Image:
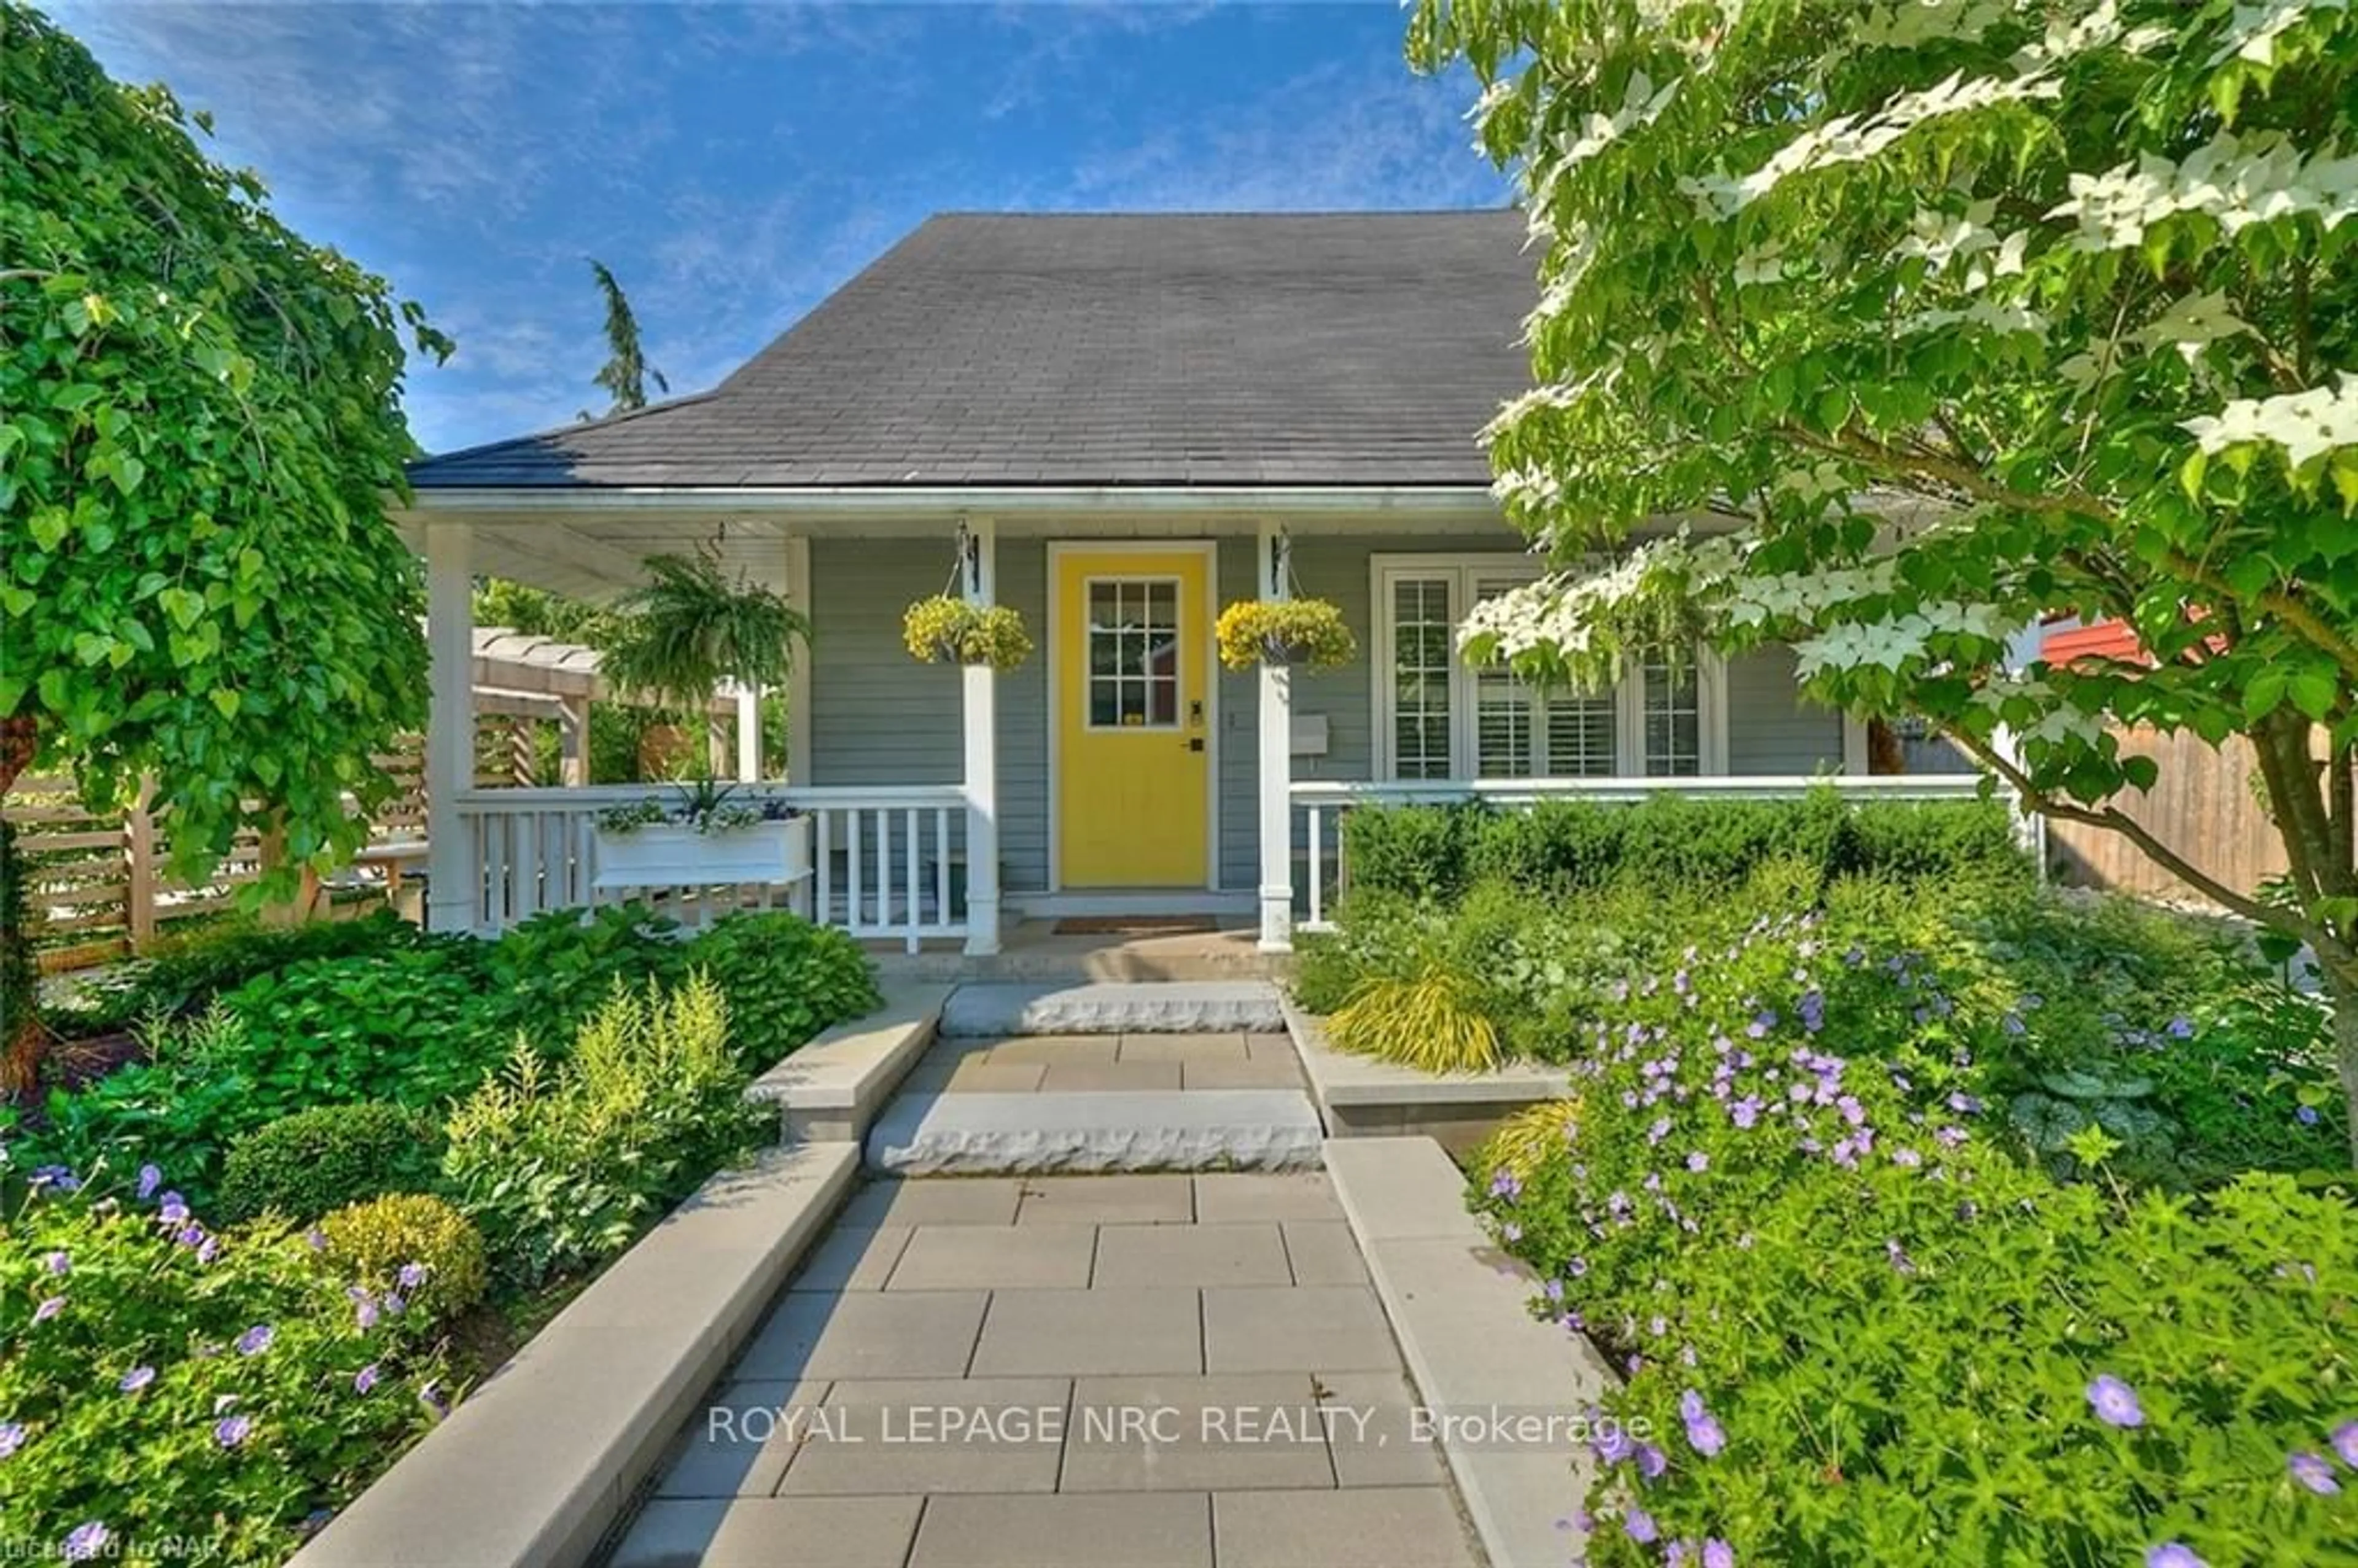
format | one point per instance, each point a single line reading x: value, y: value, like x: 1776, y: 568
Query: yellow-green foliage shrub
x: 412, y: 1254
x: 1434, y: 1022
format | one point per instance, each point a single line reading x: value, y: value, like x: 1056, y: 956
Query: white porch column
x: 1274, y: 580
x: 749, y: 735
x: 798, y: 675
x: 978, y: 579
x: 453, y: 868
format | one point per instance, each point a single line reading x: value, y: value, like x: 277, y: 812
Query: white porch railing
x: 882, y: 858
x: 1320, y: 804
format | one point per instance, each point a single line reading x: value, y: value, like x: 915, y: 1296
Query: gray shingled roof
x: 1003, y: 351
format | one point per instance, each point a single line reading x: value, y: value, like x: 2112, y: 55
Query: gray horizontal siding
x: 879, y: 717
x: 1769, y: 729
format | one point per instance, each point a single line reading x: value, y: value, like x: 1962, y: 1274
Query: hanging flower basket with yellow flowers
x: 1308, y: 633
x: 943, y: 630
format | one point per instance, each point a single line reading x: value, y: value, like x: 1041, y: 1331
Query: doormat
x: 1132, y: 925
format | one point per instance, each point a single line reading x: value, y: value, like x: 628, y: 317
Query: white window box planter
x: 672, y: 854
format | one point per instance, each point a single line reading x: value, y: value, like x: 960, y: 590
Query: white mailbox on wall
x: 1309, y: 735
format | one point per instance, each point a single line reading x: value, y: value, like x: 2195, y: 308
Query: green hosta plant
x: 1310, y: 633
x: 950, y: 631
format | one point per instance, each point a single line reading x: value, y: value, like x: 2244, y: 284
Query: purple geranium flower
x: 1717, y: 1553
x: 365, y: 1378
x: 2181, y: 1027
x: 58, y: 1263
x: 1651, y: 1461
x: 431, y: 1395
x: 1639, y: 1525
x: 137, y: 1379
x: 232, y: 1430
x: 49, y: 1309
x: 88, y: 1539
x: 150, y: 1178
x: 2314, y: 1473
x: 1506, y: 1184
x: 2306, y: 1115
x: 2114, y: 1403
x: 2345, y: 1442
x: 12, y: 1437
x: 1698, y: 1161
x: 412, y: 1275
x: 171, y: 1209
x: 256, y: 1340
x: 2173, y: 1554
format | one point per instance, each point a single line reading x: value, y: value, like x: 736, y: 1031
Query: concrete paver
x: 927, y: 1437
x: 1258, y: 1196
x: 1107, y: 1529
x: 1265, y: 1329
x: 1323, y: 1253
x: 887, y: 1334
x: 740, y: 1441
x: 852, y: 1258
x: 1108, y: 1200
x: 1251, y: 1074
x: 1184, y: 1048
x: 972, y: 1257
x: 1415, y: 1526
x: 1191, y: 1256
x: 1183, y: 1433
x: 1081, y: 1333
x: 974, y: 1200
x: 771, y: 1533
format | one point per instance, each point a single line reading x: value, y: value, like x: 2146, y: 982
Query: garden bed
x: 1930, y: 1214
x: 351, y: 1170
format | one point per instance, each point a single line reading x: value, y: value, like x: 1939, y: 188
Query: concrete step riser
x: 1090, y: 1132
x: 1202, y: 1007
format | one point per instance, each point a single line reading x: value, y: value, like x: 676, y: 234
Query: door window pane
x: 1133, y: 652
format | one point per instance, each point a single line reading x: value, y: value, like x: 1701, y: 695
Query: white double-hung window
x: 1437, y: 717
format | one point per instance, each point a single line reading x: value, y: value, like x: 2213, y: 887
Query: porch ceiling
x: 594, y: 547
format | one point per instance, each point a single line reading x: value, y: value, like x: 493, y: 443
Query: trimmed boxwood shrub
x: 1672, y: 842
x: 305, y: 1164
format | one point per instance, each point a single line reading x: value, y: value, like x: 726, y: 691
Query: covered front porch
x: 940, y: 801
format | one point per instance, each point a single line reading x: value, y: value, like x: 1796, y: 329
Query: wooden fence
x: 2203, y: 806
x: 98, y: 887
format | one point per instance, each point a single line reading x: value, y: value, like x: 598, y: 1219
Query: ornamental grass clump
x: 1433, y: 1022
x: 1863, y: 1327
x: 160, y: 1380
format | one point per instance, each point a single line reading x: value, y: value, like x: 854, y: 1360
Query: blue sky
x: 734, y: 163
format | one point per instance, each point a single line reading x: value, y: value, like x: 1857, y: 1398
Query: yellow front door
x: 1133, y: 717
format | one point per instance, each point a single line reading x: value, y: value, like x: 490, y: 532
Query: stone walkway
x: 1124, y: 1371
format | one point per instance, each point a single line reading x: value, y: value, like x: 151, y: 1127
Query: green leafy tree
x: 199, y: 422
x: 1928, y: 319
x: 626, y: 372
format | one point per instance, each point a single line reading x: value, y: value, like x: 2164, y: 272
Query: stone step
x: 1085, y: 1131
x: 1145, y: 1006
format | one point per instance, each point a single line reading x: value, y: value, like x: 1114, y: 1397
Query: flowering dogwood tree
x: 1888, y: 327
